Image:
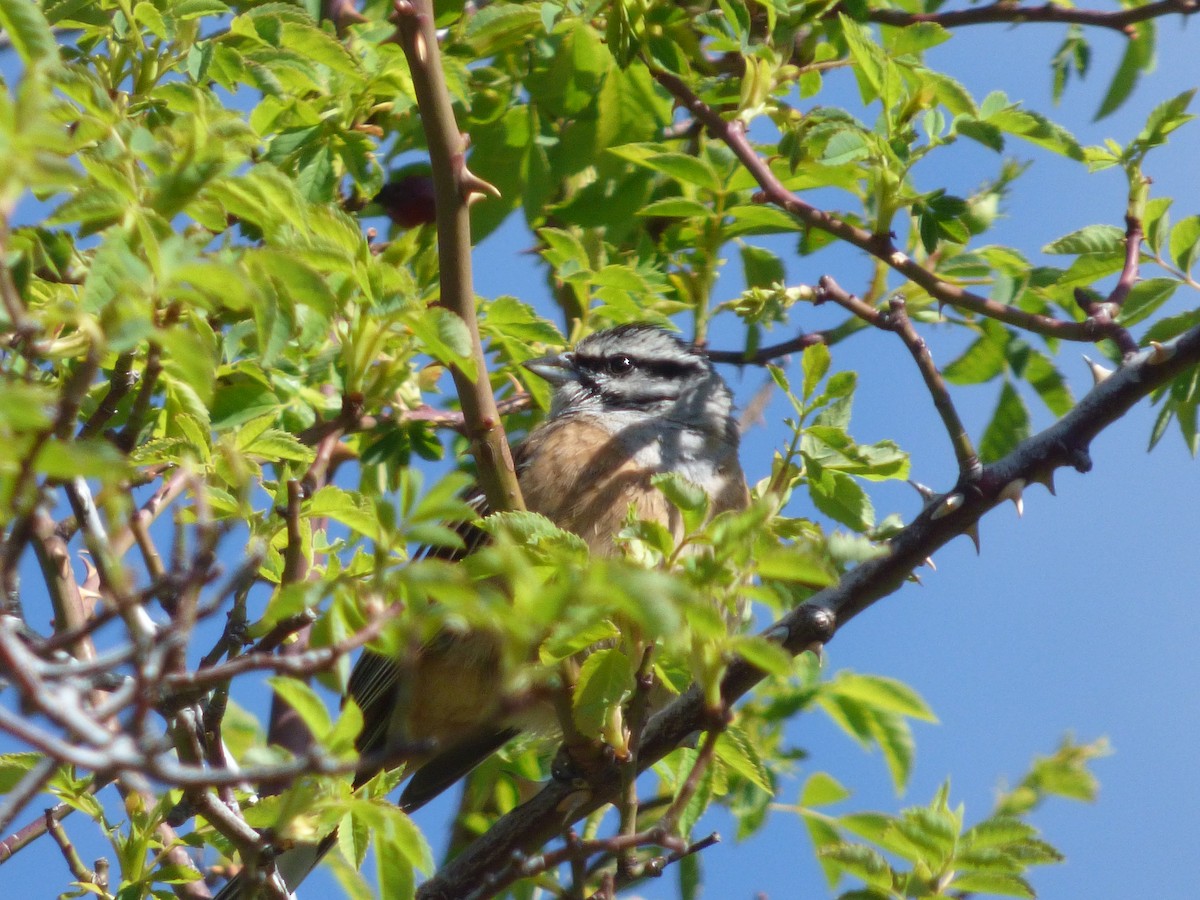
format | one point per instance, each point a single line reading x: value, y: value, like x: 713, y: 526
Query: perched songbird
x: 629, y: 403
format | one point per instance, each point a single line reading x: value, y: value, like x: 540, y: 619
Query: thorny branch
x: 455, y: 186
x: 814, y: 623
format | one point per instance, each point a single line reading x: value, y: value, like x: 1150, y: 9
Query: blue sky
x: 1080, y: 617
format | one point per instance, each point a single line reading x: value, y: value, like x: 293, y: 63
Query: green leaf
x: 445, y: 337
x: 764, y: 654
x: 980, y: 362
x: 1138, y: 57
x: 882, y: 693
x: 1008, y: 427
x: 869, y: 62
x: 565, y: 646
x: 1184, y: 245
x: 14, y: 767
x: 27, y: 28
x: 86, y: 459
x: 351, y: 509
x: 304, y: 700
x: 844, y: 147
x: 1145, y: 298
x: 679, y: 166
x: 605, y: 680
x: 686, y: 496
x: 840, y: 497
x: 914, y: 38
x: 676, y: 208
x: 1092, y: 239
x: 815, y: 363
x: 762, y: 268
x: 1049, y: 383
x: 822, y: 789
x: 796, y: 563
x: 497, y: 26
x: 735, y: 750
x: 1005, y: 885
x: 1165, y: 118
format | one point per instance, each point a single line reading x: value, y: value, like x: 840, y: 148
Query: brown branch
x: 897, y: 320
x: 126, y: 440
x: 764, y: 355
x: 881, y: 246
x: 120, y: 382
x: 522, y: 866
x: 1005, y: 11
x: 815, y: 622
x: 454, y: 187
x: 25, y: 836
x: 1133, y: 252
x: 655, y: 867
x: 691, y: 784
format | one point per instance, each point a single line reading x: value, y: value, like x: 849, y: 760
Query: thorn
x: 475, y: 188
x: 1159, y: 353
x: 926, y: 492
x: 913, y: 576
x: 1046, y: 480
x: 1099, y: 373
x: 419, y: 48
x: 1012, y: 491
x: 929, y: 562
x: 973, y: 534
x: 948, y: 505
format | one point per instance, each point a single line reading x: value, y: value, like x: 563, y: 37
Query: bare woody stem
x: 453, y: 186
x: 897, y: 320
x: 1002, y: 11
x: 881, y: 246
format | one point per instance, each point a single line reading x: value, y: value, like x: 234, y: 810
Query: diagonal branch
x: 881, y: 246
x: 814, y: 623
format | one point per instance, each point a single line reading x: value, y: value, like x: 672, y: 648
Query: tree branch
x: 454, y: 187
x: 897, y: 321
x: 1004, y: 11
x: 815, y: 622
x: 881, y: 246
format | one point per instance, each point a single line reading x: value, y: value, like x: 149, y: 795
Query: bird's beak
x: 557, y: 369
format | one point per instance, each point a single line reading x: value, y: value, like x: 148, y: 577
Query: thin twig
x: 1121, y: 20
x: 897, y: 320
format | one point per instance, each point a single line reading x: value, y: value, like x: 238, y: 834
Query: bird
x: 628, y: 403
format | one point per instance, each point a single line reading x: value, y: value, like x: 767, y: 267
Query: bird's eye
x: 619, y: 365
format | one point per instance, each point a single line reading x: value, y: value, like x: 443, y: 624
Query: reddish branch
x: 881, y: 246
x: 1003, y: 11
x: 897, y: 320
x: 764, y: 355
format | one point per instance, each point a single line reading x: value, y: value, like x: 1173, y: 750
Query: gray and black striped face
x: 639, y: 369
